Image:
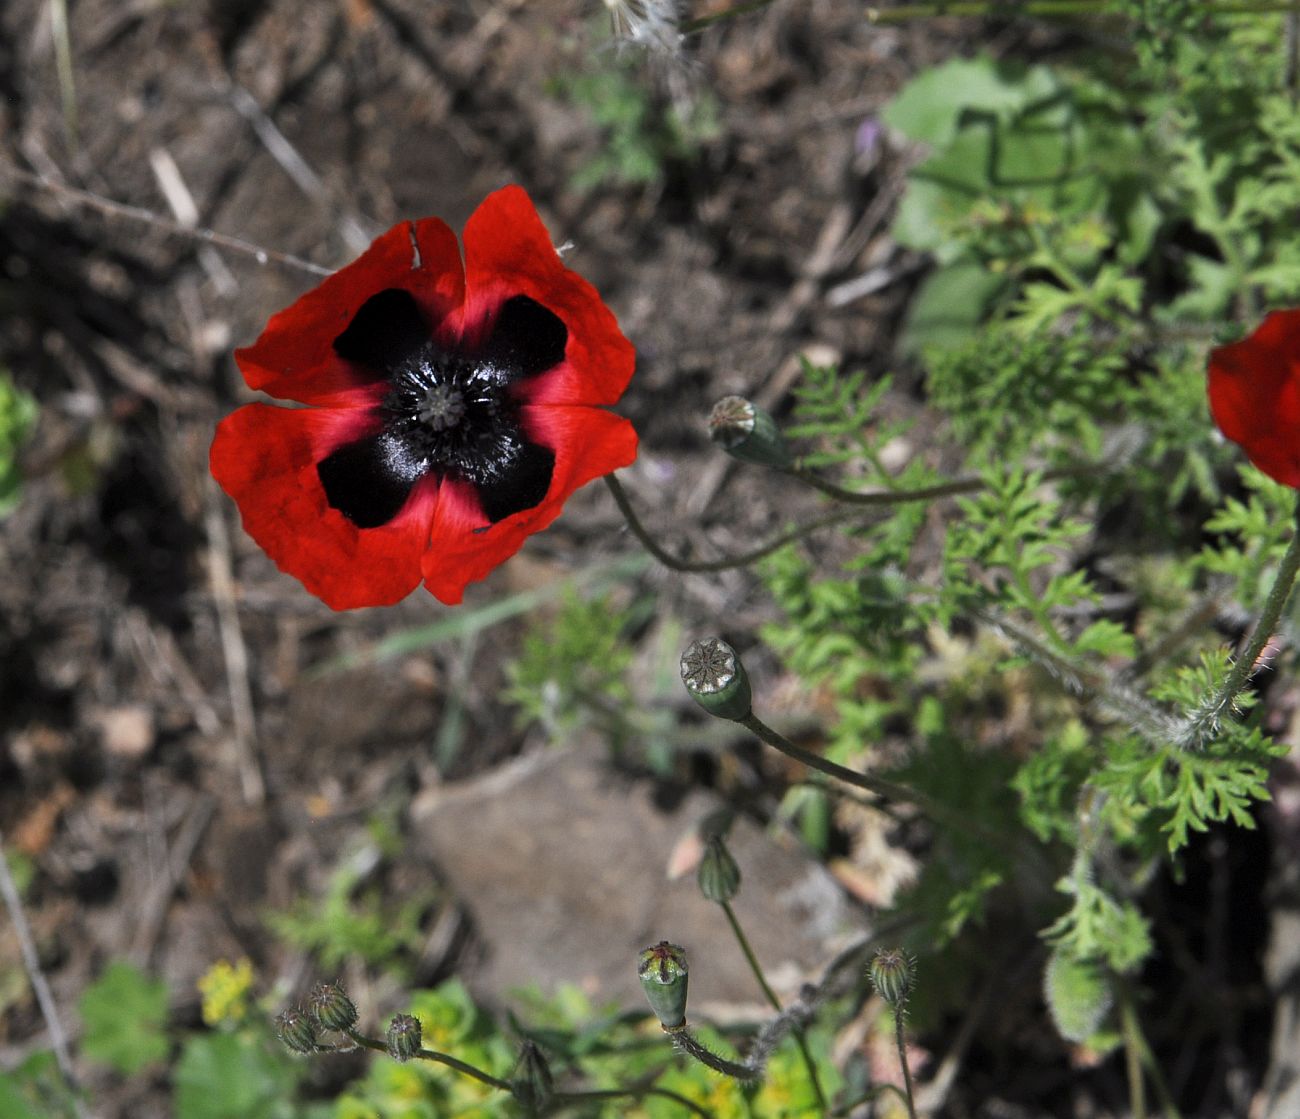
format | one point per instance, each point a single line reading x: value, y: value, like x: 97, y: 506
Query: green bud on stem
x: 748, y: 433
x: 532, y: 1084
x: 663, y: 974
x: 892, y: 972
x: 331, y: 1007
x: 719, y: 876
x: 296, y: 1030
x: 716, y: 679
x: 404, y: 1037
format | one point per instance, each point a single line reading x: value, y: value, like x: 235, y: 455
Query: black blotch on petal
x: 368, y: 481
x: 526, y: 338
x: 524, y: 486
x: 386, y: 330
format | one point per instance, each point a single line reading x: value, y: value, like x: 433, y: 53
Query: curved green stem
x: 1139, y: 1059
x: 441, y: 1058
x: 885, y: 497
x: 901, y: 1042
x: 727, y: 562
x: 891, y: 790
x: 775, y: 1003
x: 632, y: 1093
x: 878, y: 785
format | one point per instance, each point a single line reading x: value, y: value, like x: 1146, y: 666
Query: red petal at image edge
x: 265, y: 458
x: 1254, y: 392
x: 588, y: 444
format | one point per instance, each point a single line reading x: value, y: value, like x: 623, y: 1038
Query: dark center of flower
x: 448, y: 413
x: 455, y: 415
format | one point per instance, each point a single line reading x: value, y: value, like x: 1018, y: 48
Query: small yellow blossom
x: 225, y: 989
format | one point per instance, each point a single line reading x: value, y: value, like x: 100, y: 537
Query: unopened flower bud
x: 892, y: 972
x: 531, y: 1084
x: 296, y: 1030
x: 1079, y: 995
x: 332, y: 1008
x: 719, y: 876
x: 662, y: 971
x: 748, y: 433
x: 716, y: 679
x: 404, y: 1036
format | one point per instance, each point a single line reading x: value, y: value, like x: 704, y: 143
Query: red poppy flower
x: 452, y: 409
x: 1255, y: 395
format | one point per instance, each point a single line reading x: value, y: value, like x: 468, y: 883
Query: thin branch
x: 35, y: 976
x: 235, y: 652
x: 148, y: 217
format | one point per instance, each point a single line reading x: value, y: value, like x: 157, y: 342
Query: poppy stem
x: 726, y: 563
x: 800, y: 1039
x: 689, y: 1044
x: 861, y: 501
x: 1205, y: 722
x: 885, y: 497
x: 632, y: 1093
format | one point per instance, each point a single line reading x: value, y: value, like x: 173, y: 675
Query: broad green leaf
x: 125, y: 1013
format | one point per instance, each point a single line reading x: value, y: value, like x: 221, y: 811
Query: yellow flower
x: 225, y: 990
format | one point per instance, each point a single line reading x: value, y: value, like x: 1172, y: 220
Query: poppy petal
x: 1254, y: 391
x: 523, y: 486
x: 509, y: 253
x: 266, y: 458
x: 587, y: 442
x: 525, y: 338
x: 387, y: 329
x: 369, y: 480
x: 294, y: 358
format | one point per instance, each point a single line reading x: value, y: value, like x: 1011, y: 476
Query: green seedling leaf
x: 125, y: 1015
x: 930, y: 107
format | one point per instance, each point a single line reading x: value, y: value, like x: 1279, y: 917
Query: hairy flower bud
x: 663, y: 974
x: 716, y: 679
x: 1079, y: 995
x: 331, y: 1007
x: 296, y: 1030
x: 748, y: 433
x: 404, y: 1036
x: 532, y: 1084
x: 719, y: 876
x: 892, y: 972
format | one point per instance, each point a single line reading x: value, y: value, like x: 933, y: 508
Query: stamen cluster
x: 451, y: 413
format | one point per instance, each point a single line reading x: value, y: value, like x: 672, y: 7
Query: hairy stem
x: 775, y: 1003
x: 689, y: 1044
x: 901, y: 1043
